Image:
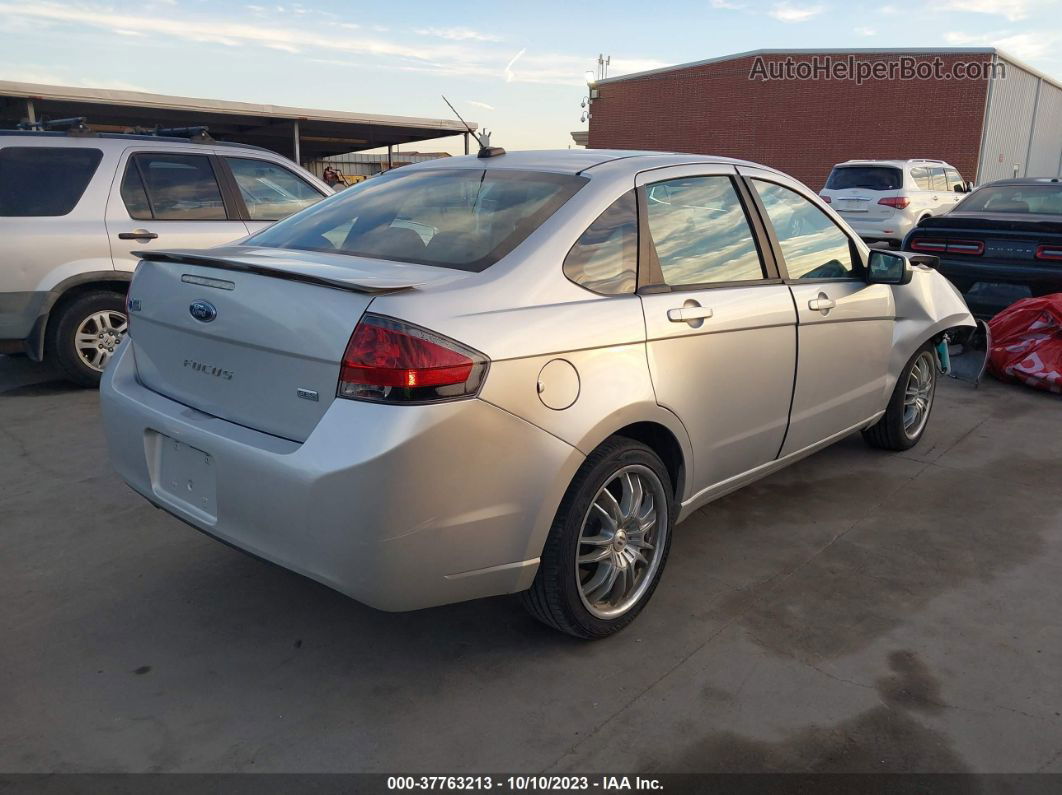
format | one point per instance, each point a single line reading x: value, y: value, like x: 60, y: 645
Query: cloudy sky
x: 516, y: 68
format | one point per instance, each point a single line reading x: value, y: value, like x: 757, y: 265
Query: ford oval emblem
x: 203, y: 311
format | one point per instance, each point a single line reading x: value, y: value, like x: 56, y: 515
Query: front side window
x: 940, y: 182
x: 44, y: 181
x: 605, y: 257
x: 270, y: 191
x: 174, y: 187
x: 700, y: 232
x: 955, y: 182
x: 812, y: 245
x: 459, y: 218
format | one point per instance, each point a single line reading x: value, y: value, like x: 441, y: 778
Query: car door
x: 169, y: 199
x: 844, y: 325
x: 922, y: 195
x: 956, y: 185
x: 720, y: 324
x: 269, y: 191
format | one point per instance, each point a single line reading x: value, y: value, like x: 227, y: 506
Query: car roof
x: 894, y: 163
x: 999, y: 183
x: 578, y: 161
x: 98, y: 139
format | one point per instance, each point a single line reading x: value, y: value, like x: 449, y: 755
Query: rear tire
x: 907, y: 416
x: 608, y: 544
x: 83, y: 335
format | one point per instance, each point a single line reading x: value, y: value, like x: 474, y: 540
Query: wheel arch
x: 65, y: 292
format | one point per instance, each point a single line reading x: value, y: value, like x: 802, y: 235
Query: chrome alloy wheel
x: 621, y: 541
x: 918, y: 397
x: 98, y: 336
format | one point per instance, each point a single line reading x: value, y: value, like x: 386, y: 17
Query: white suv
x: 885, y: 199
x: 75, y: 209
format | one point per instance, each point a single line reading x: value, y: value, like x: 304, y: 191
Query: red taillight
x: 930, y: 245
x: 826, y: 199
x: 1049, y: 252
x: 974, y: 248
x: 933, y: 245
x: 395, y: 362
x: 899, y: 202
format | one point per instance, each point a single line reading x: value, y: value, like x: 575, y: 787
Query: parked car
x: 73, y: 207
x: 882, y: 200
x: 1002, y: 243
x: 514, y: 373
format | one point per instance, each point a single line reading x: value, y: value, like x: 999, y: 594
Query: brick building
x: 802, y: 111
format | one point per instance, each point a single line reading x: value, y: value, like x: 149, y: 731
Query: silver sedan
x: 515, y: 373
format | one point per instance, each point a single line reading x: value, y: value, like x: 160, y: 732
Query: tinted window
x: 179, y: 187
x: 867, y: 177
x: 812, y: 245
x: 270, y: 191
x: 1035, y: 199
x: 700, y: 232
x: 455, y: 218
x: 955, y: 181
x: 922, y: 178
x: 940, y: 182
x: 134, y: 195
x: 605, y: 258
x: 37, y: 180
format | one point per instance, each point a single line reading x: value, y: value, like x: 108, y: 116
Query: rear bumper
x: 399, y: 507
x: 964, y: 274
x: 894, y: 228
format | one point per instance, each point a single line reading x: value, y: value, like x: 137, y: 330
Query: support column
x: 31, y: 112
x: 466, y: 142
x: 390, y: 160
x: 298, y: 153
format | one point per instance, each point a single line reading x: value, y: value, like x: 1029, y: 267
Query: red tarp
x: 1027, y: 343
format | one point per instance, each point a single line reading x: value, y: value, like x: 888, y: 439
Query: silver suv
x: 73, y: 208
x: 885, y: 199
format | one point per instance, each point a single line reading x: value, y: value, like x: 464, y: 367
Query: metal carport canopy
x: 302, y: 134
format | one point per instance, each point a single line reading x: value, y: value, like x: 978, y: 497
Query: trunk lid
x: 256, y: 336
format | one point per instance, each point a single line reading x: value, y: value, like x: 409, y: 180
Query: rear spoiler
x: 231, y: 264
x: 998, y: 222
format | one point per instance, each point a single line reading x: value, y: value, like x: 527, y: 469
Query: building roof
x: 322, y: 132
x: 995, y: 51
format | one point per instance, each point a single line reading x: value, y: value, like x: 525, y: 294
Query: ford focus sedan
x: 515, y: 373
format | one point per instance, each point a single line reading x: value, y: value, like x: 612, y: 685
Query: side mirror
x: 895, y: 267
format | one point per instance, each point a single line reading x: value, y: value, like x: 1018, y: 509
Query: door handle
x: 821, y: 304
x: 137, y: 234
x: 686, y: 314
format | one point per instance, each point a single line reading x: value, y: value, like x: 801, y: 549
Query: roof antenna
x: 485, y: 149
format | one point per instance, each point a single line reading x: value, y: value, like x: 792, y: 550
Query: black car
x: 1001, y: 243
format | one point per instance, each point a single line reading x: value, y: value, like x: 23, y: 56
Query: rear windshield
x: 466, y: 219
x: 866, y: 177
x: 42, y: 180
x: 1032, y: 199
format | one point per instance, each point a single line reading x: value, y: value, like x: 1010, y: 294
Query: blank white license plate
x: 186, y: 476
x: 853, y: 205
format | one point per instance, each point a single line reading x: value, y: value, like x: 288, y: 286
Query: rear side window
x: 44, y: 181
x: 922, y: 178
x: 270, y: 191
x: 700, y: 232
x: 172, y: 188
x: 866, y: 177
x: 466, y: 219
x: 940, y: 182
x: 605, y: 257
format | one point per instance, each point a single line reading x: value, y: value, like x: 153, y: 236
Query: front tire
x: 609, y: 542
x: 84, y: 334
x: 907, y: 416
